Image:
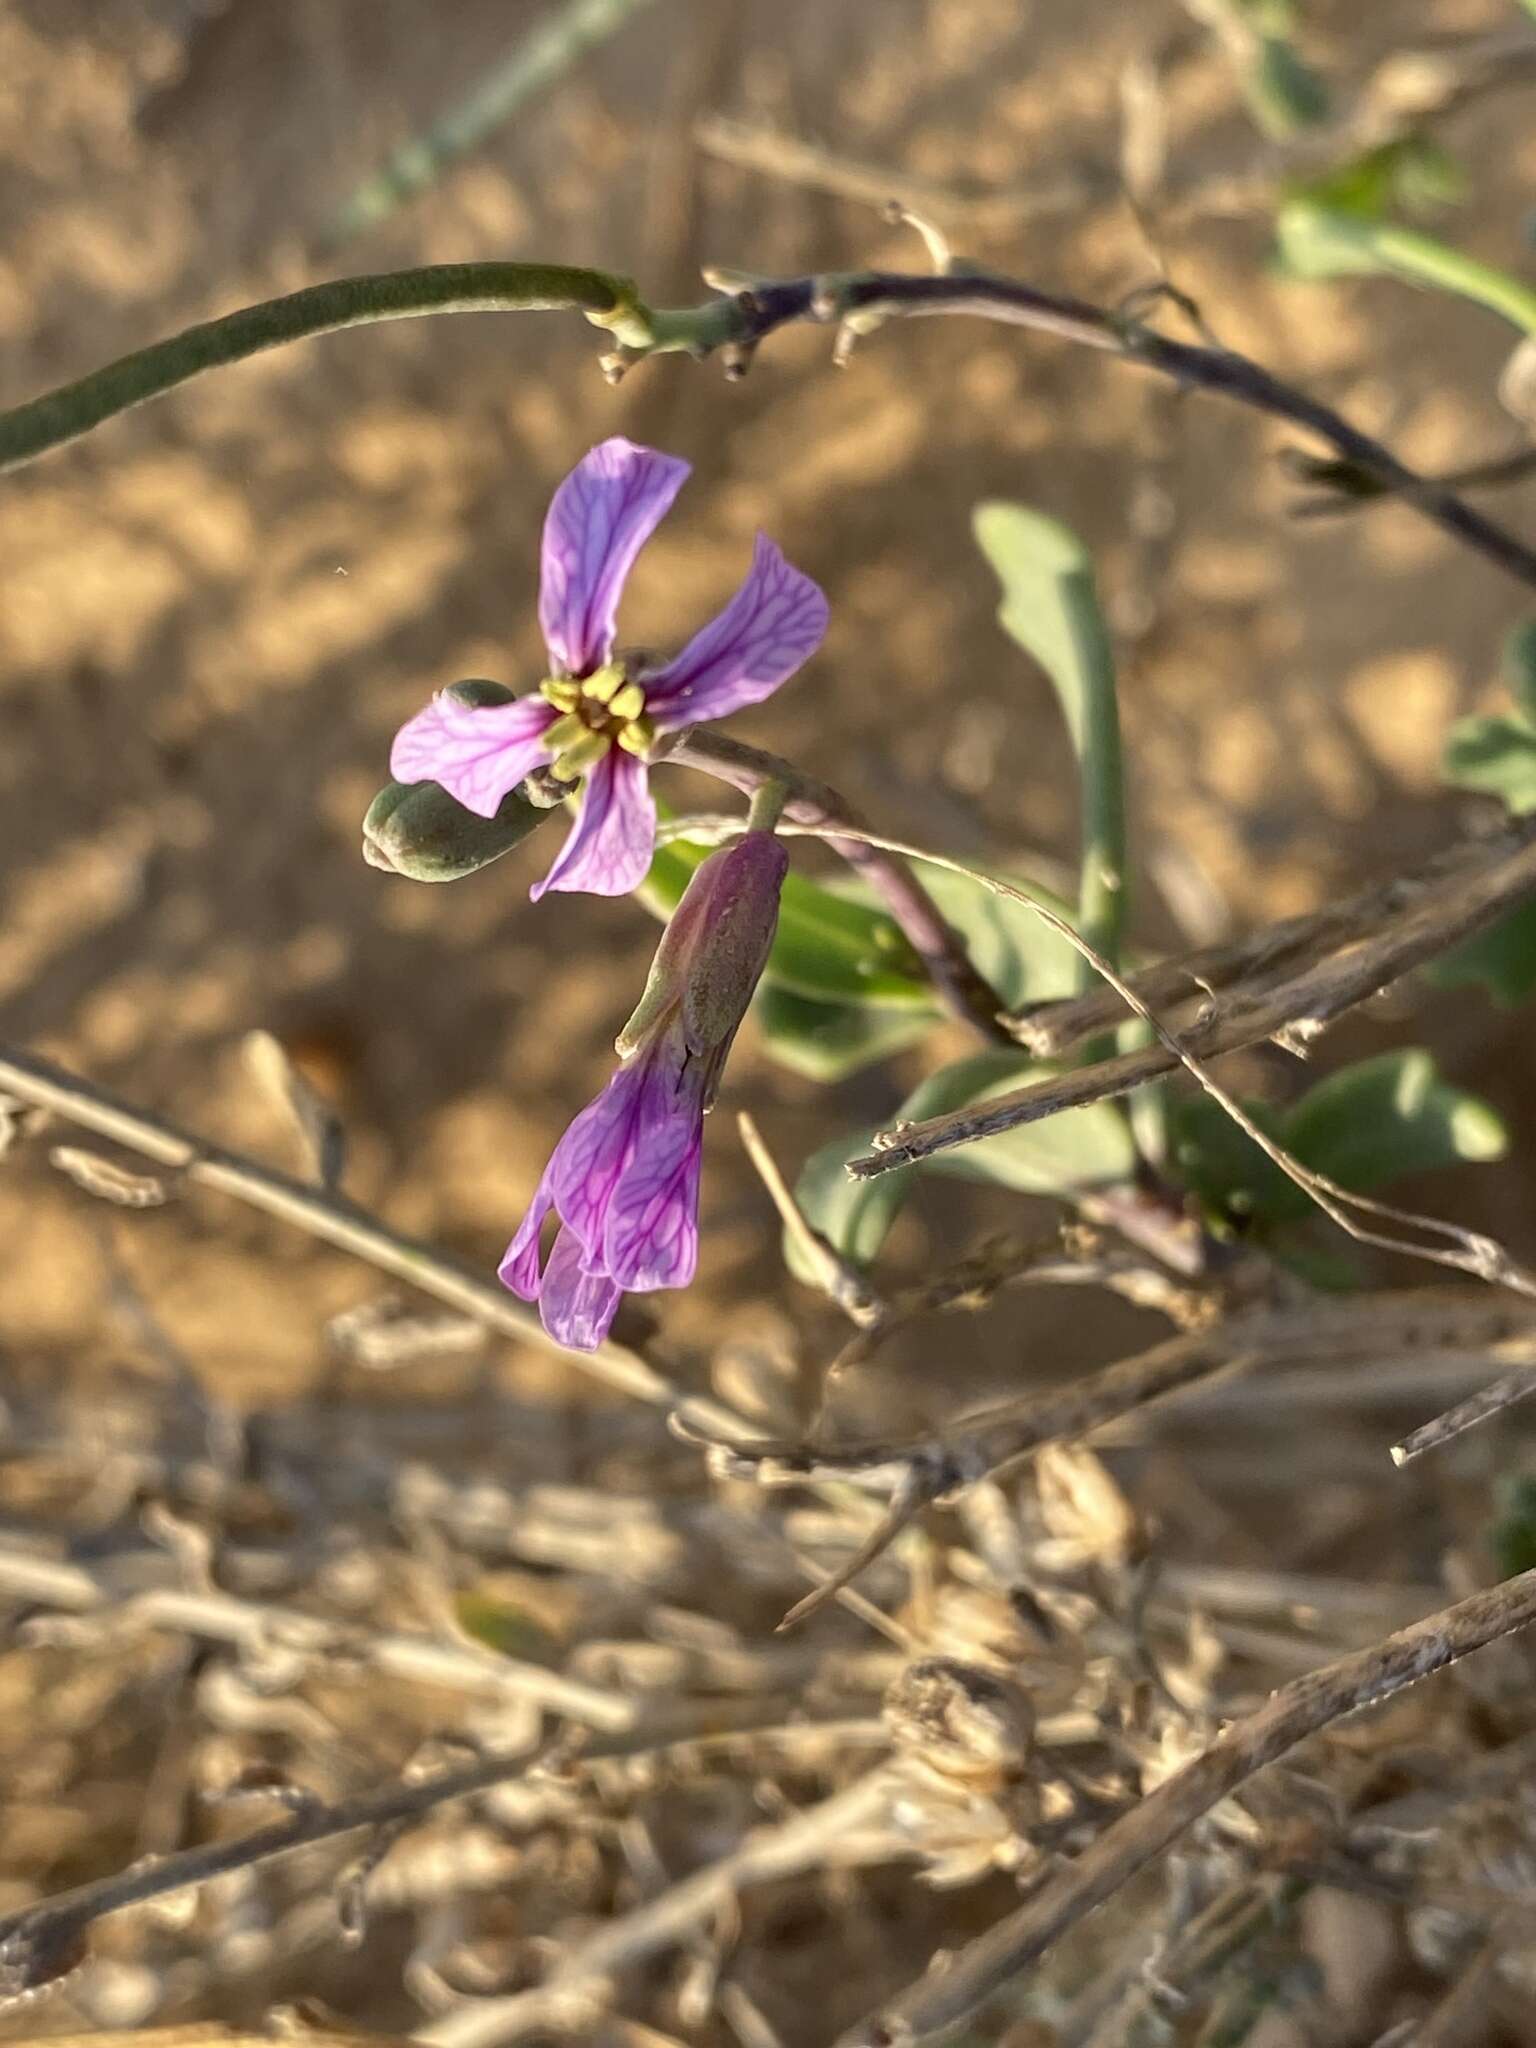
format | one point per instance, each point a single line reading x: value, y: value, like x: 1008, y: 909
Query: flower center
x: 598, y: 711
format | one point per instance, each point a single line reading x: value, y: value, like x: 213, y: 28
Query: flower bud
x: 713, y: 952
x: 417, y: 829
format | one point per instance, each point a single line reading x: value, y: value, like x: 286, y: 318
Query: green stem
x: 537, y: 60
x: 1423, y: 260
x: 65, y: 414
x: 767, y: 806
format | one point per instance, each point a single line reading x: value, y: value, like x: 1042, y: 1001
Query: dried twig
x: 838, y: 1278
x: 849, y: 1828
x: 255, y: 1625
x: 1450, y: 1244
x: 1214, y: 971
x: 1129, y: 1844
x: 936, y: 1467
x: 32, y: 1940
x: 794, y: 161
x: 1300, y: 1005
x: 1477, y: 1408
x: 330, y: 1217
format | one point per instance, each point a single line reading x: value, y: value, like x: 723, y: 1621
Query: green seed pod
x: 418, y: 830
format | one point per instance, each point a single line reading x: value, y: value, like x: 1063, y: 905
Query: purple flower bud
x: 624, y: 1180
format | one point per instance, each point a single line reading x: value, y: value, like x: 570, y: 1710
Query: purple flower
x: 591, y: 718
x: 624, y: 1180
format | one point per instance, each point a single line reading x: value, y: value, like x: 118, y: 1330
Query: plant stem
x: 736, y: 321
x: 550, y: 48
x: 330, y: 1217
x: 980, y: 1969
x: 962, y: 989
x: 72, y: 410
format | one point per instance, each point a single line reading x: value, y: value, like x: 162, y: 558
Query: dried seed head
x: 961, y: 1720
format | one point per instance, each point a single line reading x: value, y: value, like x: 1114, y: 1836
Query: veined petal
x: 609, y: 847
x: 773, y: 624
x: 519, y: 1268
x: 598, y: 521
x: 476, y: 754
x: 652, y: 1234
x: 590, y: 1160
x: 577, y: 1305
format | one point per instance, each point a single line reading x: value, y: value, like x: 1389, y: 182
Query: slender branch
x: 63, y: 415
x: 1449, y: 1244
x: 1477, y: 1408
x: 865, y: 300
x: 325, y: 1215
x: 1303, y: 1005
x: 736, y: 322
x: 1298, y: 1710
x: 1054, y: 1028
x: 221, y: 1617
x: 812, y: 804
x: 838, y: 1278
x: 847, y: 1828
x: 949, y: 1461
x: 537, y: 59
x: 35, y: 1940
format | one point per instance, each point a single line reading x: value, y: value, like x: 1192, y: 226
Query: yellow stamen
x: 561, y: 691
x: 637, y: 735
x: 584, y: 754
x: 602, y: 686
x: 628, y: 702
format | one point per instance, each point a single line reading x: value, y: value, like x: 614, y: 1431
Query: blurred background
x: 215, y: 612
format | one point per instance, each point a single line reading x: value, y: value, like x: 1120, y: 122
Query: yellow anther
x: 584, y: 754
x: 627, y: 702
x: 636, y: 735
x: 604, y: 685
x: 563, y: 692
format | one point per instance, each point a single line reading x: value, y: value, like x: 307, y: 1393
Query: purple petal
x: 577, y: 1305
x: 598, y: 521
x: 610, y: 845
x: 519, y: 1268
x: 591, y: 1158
x: 652, y: 1234
x: 477, y: 755
x: 773, y: 624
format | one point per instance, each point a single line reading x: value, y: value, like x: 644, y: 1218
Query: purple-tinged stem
x: 964, y: 991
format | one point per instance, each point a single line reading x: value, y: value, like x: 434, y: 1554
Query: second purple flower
x: 591, y: 718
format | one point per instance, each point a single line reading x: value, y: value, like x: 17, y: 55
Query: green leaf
x: 1017, y: 952
x: 1501, y: 959
x: 1318, y: 241
x: 1235, y: 1181
x: 1512, y: 1537
x: 1495, y: 755
x: 1411, y: 171
x: 1051, y: 608
x: 1519, y: 665
x: 1363, y: 1127
x: 1284, y: 94
x: 1080, y: 1148
x: 829, y: 1041
x: 829, y: 948
x: 854, y: 1215
x: 1381, y: 1118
